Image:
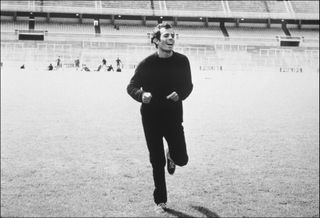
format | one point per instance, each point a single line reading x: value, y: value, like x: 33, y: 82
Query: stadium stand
x: 73, y: 4
x: 67, y: 28
x: 194, y: 6
x: 18, y: 4
x: 248, y: 6
x: 305, y: 7
x: 276, y: 7
x: 308, y: 34
x: 226, y: 9
x: 108, y: 29
x: 198, y: 30
x: 255, y: 32
x: 127, y: 4
x: 9, y: 26
x: 253, y: 27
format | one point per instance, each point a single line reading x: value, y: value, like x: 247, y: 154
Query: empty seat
x: 305, y: 6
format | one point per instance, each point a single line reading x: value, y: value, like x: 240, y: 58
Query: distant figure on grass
x: 85, y: 68
x: 119, y: 64
x: 161, y: 82
x: 22, y: 66
x: 110, y: 67
x: 59, y: 64
x: 77, y: 63
x: 50, y: 67
x: 103, y: 65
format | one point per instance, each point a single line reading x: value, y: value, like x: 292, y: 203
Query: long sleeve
x: 185, y: 84
x: 134, y: 89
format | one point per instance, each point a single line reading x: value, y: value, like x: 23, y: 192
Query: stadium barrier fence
x: 215, y: 57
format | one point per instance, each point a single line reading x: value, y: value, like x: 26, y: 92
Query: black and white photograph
x: 159, y: 108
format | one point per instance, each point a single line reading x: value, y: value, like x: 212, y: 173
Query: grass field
x: 72, y: 144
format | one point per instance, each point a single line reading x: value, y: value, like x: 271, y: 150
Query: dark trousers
x: 155, y: 129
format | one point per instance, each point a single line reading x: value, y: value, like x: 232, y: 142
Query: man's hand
x: 146, y: 97
x: 173, y: 96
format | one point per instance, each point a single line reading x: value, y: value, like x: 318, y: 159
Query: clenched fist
x: 146, y: 97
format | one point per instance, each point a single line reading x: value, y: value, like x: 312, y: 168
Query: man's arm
x: 185, y: 85
x: 135, y: 84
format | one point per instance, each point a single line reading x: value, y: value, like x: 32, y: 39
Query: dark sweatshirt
x: 161, y: 77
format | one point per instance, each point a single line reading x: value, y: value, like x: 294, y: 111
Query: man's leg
x: 153, y: 135
x: 175, y: 138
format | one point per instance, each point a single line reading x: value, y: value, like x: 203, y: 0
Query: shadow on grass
x: 203, y: 210
x: 177, y: 213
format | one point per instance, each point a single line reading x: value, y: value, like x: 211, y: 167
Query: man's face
x: 166, y: 39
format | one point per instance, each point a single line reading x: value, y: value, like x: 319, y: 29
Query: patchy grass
x: 72, y: 144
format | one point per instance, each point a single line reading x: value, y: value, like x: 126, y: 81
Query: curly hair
x: 156, y: 32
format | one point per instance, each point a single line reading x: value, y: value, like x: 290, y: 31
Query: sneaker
x: 160, y: 208
x: 171, y: 166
